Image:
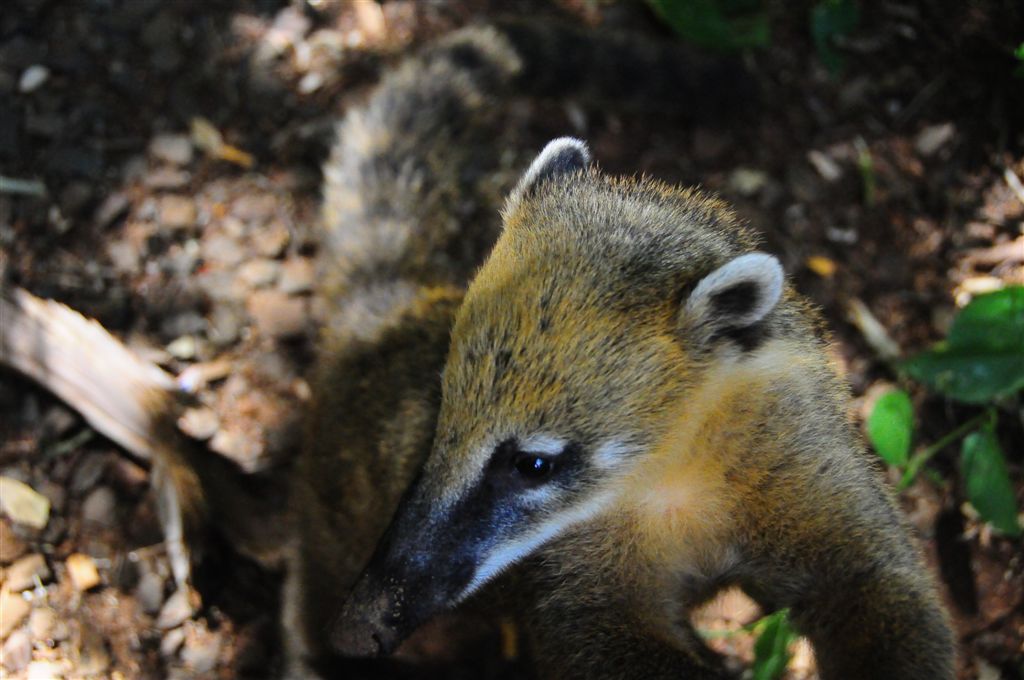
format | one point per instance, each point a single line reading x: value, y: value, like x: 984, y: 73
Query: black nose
x: 370, y: 623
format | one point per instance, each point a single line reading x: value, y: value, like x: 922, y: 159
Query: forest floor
x: 887, y: 187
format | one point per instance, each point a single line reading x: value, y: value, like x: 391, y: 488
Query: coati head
x: 599, y: 308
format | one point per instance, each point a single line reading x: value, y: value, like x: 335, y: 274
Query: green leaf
x: 1019, y: 52
x: 890, y: 427
x: 988, y: 482
x: 771, y: 650
x: 726, y: 25
x: 831, y: 19
x: 983, y: 357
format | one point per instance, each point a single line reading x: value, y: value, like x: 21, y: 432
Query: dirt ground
x: 889, y: 185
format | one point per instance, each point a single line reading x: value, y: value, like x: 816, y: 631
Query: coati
x: 635, y: 411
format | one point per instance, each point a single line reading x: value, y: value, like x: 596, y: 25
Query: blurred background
x: 159, y: 171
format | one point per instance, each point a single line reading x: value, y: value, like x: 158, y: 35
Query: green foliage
x: 771, y: 650
x: 983, y: 357
x: 890, y: 427
x: 831, y: 19
x: 988, y: 482
x: 979, y: 362
x: 726, y: 25
x: 1019, y: 53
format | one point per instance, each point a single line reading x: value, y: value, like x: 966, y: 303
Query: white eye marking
x: 543, y: 443
x: 504, y: 556
x: 611, y: 454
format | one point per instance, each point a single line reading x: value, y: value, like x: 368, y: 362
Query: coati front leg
x: 585, y: 625
x: 854, y: 583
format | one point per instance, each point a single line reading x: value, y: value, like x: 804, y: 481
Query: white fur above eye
x: 759, y: 270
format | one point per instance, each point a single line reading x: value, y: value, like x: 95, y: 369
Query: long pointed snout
x: 417, y: 571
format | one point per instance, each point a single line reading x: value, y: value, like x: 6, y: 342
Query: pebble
x: 278, y: 315
x: 271, y: 240
x: 150, y: 592
x: 46, y: 670
x: 254, y: 207
x: 42, y: 623
x: 167, y: 178
x: 175, y: 149
x: 185, y: 323
x: 83, y: 572
x: 17, y: 651
x: 111, y: 209
x: 100, y: 507
x: 87, y: 473
x: 11, y: 547
x: 199, y: 423
x: 183, y: 348
x: 747, y: 181
x: 177, y: 212
x: 202, y: 651
x: 297, y: 275
x: 171, y: 642
x: 933, y: 138
x: 22, y: 574
x: 259, y: 273
x: 93, y: 657
x: 225, y: 325
x: 23, y: 504
x: 221, y: 250
x: 124, y: 256
x: 33, y: 78
x: 13, y: 610
x: 826, y: 167
x: 176, y: 610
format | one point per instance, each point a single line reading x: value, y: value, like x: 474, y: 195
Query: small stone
x: 201, y: 651
x: 13, y: 610
x: 113, y: 207
x: 221, y: 250
x: 33, y: 78
x: 171, y: 642
x: 167, y: 178
x: 826, y: 167
x: 150, y: 592
x: 225, y: 325
x: 933, y: 138
x: 17, y: 651
x: 83, y: 572
x: 183, y: 348
x: 254, y: 207
x: 271, y: 240
x: 22, y: 574
x: 23, y: 504
x: 199, y: 423
x: 11, y: 547
x: 277, y: 314
x: 93, y: 657
x: 46, y: 670
x: 185, y: 323
x: 87, y: 474
x: 124, y: 256
x: 297, y: 275
x: 259, y: 273
x: 177, y: 212
x: 172, y: 148
x: 746, y: 181
x: 99, y: 507
x: 42, y: 623
x: 176, y: 610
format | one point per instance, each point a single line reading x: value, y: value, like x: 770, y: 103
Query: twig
x: 1014, y: 183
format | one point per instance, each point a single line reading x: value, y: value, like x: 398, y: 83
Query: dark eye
x: 532, y: 466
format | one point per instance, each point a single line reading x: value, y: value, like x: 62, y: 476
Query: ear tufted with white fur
x: 561, y: 156
x: 737, y: 295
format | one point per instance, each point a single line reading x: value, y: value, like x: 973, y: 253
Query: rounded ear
x: 561, y: 156
x: 735, y: 297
